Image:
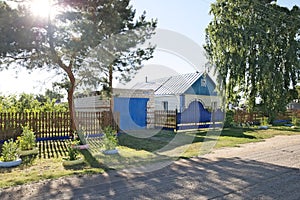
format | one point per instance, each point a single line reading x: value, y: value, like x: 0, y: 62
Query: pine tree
x: 87, y: 41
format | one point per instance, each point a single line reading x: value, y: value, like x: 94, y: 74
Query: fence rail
x: 165, y: 119
x: 54, y: 125
x: 93, y: 122
x: 241, y: 116
x: 179, y: 121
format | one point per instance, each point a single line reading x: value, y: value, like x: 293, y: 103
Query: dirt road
x: 265, y: 170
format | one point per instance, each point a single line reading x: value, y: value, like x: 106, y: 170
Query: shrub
x: 72, y: 152
x: 110, y: 140
x: 9, y: 151
x: 264, y: 121
x: 229, y: 119
x: 27, y: 140
x: 294, y: 120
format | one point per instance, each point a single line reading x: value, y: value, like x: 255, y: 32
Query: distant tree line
x: 48, y: 102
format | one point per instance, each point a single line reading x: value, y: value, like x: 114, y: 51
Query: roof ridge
x: 163, y: 83
x: 181, y: 87
x: 178, y: 75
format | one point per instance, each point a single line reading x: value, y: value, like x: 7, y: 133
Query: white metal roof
x: 170, y: 85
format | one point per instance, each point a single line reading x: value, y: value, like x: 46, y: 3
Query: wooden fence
x: 187, y: 120
x: 92, y: 123
x: 54, y: 125
x: 165, y: 119
x: 176, y: 121
x: 241, y: 116
x: 289, y: 114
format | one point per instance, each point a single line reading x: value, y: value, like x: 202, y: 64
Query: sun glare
x: 42, y: 8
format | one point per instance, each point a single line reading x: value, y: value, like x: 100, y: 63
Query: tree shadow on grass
x: 160, y: 143
x: 76, y: 167
x: 56, y: 149
x: 239, y: 133
x: 157, y: 142
x: 286, y: 128
x: 52, y: 148
x: 91, y: 160
x: 146, y: 144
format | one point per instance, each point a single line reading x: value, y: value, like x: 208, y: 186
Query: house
x: 293, y: 106
x: 192, y: 95
x: 178, y: 92
x: 134, y: 107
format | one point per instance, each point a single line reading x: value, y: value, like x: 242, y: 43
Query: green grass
x: 135, y: 149
x: 128, y: 158
x: 189, y: 144
x: 41, y: 169
x: 133, y: 152
x: 236, y: 137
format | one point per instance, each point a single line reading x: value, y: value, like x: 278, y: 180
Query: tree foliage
x: 86, y: 41
x: 50, y: 94
x: 255, y: 47
x: 30, y: 103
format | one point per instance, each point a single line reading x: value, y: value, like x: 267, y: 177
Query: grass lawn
x: 41, y: 169
x: 234, y: 138
x: 136, y: 149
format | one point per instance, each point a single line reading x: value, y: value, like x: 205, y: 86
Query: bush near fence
x: 54, y: 125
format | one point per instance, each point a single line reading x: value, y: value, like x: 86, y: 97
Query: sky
x: 183, y: 20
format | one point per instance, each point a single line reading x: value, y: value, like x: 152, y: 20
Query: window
x: 203, y: 82
x: 165, y: 106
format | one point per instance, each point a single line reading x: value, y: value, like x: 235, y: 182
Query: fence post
x: 176, y: 120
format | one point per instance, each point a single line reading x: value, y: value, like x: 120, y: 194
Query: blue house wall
x: 199, y: 89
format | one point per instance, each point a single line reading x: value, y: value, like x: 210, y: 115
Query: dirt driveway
x: 265, y: 170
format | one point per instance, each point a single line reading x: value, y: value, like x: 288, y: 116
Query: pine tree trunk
x: 110, y: 89
x: 110, y: 80
x: 72, y: 107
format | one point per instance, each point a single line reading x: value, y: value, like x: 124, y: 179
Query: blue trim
x: 188, y: 127
x: 46, y: 139
x: 63, y: 137
x: 94, y: 135
x: 2, y: 141
x: 166, y: 128
x: 54, y: 138
x: 280, y: 121
x: 198, y: 89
